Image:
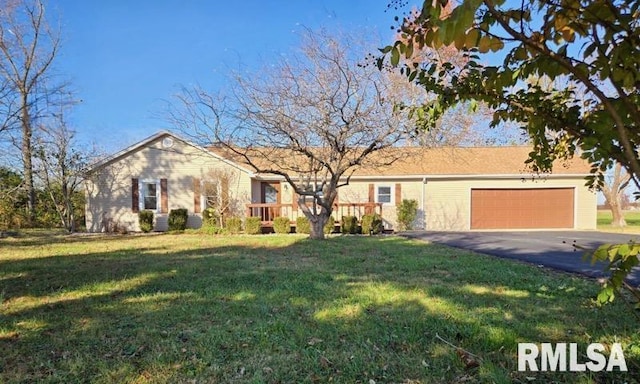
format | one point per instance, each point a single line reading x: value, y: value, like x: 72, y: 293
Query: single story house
x: 457, y: 189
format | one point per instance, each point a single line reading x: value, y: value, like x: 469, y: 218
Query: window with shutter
x: 384, y: 194
x: 150, y: 196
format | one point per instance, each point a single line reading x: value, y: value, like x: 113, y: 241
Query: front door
x: 270, y: 195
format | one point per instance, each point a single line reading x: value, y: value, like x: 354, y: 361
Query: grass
x: 284, y: 309
x: 632, y: 217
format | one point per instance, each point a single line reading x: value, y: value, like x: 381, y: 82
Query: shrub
x: 303, y: 225
x: 330, y: 225
x: 145, y: 219
x: 372, y: 224
x: 208, y: 229
x: 234, y: 225
x: 210, y: 217
x: 349, y: 224
x: 178, y: 219
x: 282, y: 225
x: 252, y: 225
x: 406, y: 213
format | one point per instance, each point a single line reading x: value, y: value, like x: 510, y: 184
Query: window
x: 211, y: 194
x: 150, y: 195
x: 384, y: 194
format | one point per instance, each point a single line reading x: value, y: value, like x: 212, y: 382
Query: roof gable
x: 161, y: 135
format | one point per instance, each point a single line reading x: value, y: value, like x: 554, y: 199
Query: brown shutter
x: 135, y: 195
x: 164, y: 200
x: 196, y: 195
x: 294, y: 199
x: 398, y: 194
x: 372, y: 193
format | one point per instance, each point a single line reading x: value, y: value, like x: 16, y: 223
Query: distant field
x: 632, y: 218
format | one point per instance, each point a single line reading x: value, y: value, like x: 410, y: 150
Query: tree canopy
x: 312, y: 118
x: 592, y: 45
x: 569, y: 75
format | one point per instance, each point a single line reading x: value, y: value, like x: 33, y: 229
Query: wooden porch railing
x: 267, y: 212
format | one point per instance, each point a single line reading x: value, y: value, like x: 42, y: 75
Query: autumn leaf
x: 468, y: 360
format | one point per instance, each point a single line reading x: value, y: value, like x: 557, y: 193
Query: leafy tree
x: 591, y: 44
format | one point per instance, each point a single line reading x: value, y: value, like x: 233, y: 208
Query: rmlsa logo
x: 557, y: 359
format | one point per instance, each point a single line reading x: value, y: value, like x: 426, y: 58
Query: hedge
x: 349, y: 224
x: 253, y: 225
x: 145, y: 219
x: 372, y: 224
x: 281, y: 225
x: 303, y: 225
x: 330, y: 225
x: 178, y: 219
x: 234, y: 225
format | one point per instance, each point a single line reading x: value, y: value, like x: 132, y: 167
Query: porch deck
x: 267, y: 211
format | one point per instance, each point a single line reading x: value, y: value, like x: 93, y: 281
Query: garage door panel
x: 522, y: 208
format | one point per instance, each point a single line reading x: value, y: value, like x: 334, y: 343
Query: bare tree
x: 28, y: 48
x: 613, y: 188
x: 220, y: 188
x: 60, y: 165
x: 312, y: 118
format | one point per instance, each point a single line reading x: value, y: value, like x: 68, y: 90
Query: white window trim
x: 391, y: 197
x: 203, y: 196
x: 141, y: 184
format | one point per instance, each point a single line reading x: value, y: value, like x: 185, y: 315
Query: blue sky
x: 125, y: 57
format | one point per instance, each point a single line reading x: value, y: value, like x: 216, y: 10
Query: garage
x: 527, y: 208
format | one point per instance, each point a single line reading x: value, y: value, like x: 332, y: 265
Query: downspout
x: 424, y: 214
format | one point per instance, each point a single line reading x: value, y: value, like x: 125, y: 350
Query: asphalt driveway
x: 551, y: 249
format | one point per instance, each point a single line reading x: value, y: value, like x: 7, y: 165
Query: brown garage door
x: 522, y: 208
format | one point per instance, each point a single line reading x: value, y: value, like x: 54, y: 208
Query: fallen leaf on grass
x: 468, y: 360
x: 324, y: 362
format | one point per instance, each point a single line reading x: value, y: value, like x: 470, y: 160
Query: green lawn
x: 283, y: 309
x: 632, y: 218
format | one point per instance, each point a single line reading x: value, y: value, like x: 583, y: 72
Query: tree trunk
x: 618, y: 215
x: 317, y: 226
x: 27, y: 159
x: 613, y: 191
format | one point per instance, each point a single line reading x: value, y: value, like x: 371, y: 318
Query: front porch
x: 269, y: 211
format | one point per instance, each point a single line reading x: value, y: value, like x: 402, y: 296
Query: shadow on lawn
x: 347, y: 309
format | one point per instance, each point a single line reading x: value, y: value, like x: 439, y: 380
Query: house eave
x: 417, y: 177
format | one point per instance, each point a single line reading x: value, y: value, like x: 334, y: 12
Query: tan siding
x: 447, y: 201
x: 109, y: 198
x: 358, y: 192
x: 586, y: 207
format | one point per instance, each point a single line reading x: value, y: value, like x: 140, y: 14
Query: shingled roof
x: 469, y: 161
x: 448, y: 161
